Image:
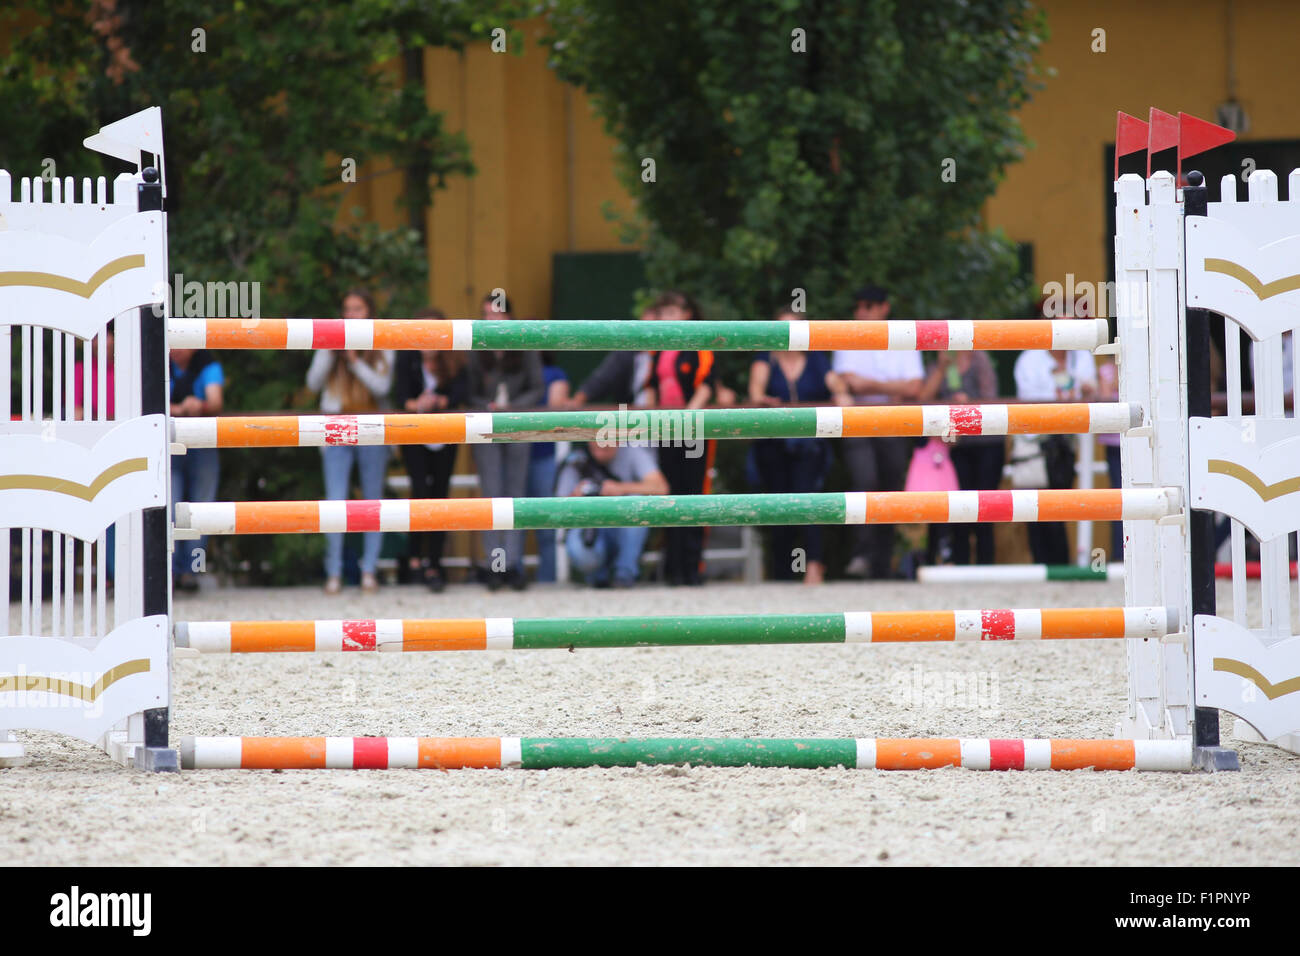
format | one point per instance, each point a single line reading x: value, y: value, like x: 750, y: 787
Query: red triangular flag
x: 1163, y: 134
x: 1197, y: 135
x: 1164, y: 131
x: 1130, y: 137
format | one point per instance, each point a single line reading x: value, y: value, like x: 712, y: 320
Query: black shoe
x: 517, y: 579
x: 434, y: 580
x: 495, y: 581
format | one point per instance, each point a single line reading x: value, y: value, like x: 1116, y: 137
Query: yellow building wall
x: 544, y: 169
x: 1162, y: 53
x: 546, y: 166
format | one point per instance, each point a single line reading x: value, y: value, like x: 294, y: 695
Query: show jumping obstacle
x: 630, y: 425
x: 505, y: 634
x: 99, y: 667
x: 797, y: 336
x: 548, y: 753
x: 1016, y: 573
x: 1184, y: 662
x: 674, y: 511
x: 1253, y: 570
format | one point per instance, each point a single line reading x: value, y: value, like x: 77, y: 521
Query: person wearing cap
x: 876, y: 464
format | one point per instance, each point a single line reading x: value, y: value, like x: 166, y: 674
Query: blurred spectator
x: 608, y: 556
x: 541, y: 465
x: 353, y: 382
x: 625, y: 378
x: 794, y: 465
x: 197, y: 386
x: 683, y: 379
x: 1055, y: 376
x: 427, y: 382
x: 876, y: 464
x: 967, y: 378
x: 498, y: 381
x: 621, y: 378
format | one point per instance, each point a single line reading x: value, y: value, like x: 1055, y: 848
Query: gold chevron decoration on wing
x: 39, y: 684
x: 64, y: 486
x: 48, y: 280
x: 1243, y: 670
x: 1266, y: 492
x: 1262, y: 290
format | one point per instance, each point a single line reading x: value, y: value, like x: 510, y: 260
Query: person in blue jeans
x: 353, y: 382
x: 793, y: 465
x: 197, y: 387
x: 608, y: 556
x: 541, y: 466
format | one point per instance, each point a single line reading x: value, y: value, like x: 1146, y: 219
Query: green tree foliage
x: 262, y: 102
x: 777, y: 169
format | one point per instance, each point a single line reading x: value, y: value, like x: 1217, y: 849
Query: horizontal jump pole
x: 1223, y: 569
x: 546, y: 753
x: 504, y: 633
x: 630, y: 335
x: 656, y: 426
x: 1016, y: 573
x: 674, y: 511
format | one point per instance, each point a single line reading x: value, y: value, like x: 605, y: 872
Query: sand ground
x: 72, y: 806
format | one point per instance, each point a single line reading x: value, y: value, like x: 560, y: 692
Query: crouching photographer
x: 608, y: 556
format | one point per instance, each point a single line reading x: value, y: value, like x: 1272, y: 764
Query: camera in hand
x: 592, y: 477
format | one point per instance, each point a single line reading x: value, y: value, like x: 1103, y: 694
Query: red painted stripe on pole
x: 995, y: 506
x: 932, y: 334
x: 328, y: 334
x: 359, y: 635
x: 997, y: 625
x: 1223, y: 569
x: 341, y: 430
x: 966, y: 420
x: 369, y: 753
x: 1006, y: 755
x: 363, y: 515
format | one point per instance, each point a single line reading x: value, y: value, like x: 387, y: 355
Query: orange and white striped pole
x: 544, y: 753
x: 665, y: 511
x: 938, y: 421
x: 504, y: 633
x: 757, y: 336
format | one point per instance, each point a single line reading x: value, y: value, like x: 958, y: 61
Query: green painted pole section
x: 658, y: 425
x: 632, y: 335
x: 1073, y: 572
x: 554, y: 633
x: 672, y: 511
x: 541, y: 753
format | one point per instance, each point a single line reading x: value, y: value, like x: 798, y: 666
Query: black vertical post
x: 153, y: 401
x: 1200, y: 523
